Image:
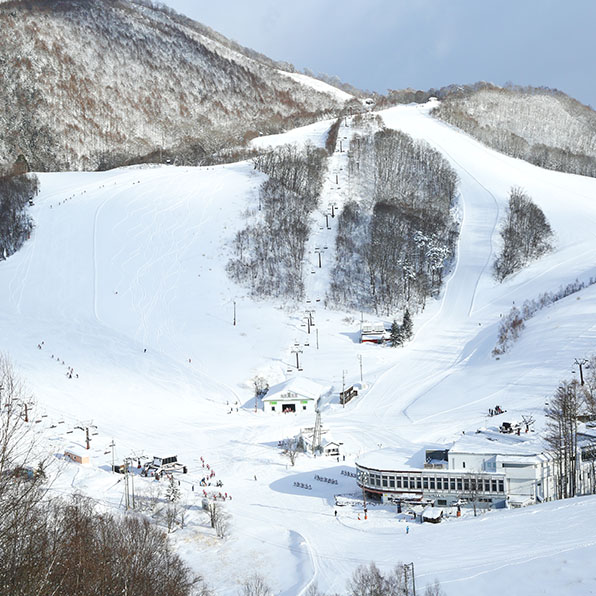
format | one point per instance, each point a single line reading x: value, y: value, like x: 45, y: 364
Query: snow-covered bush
x: 513, y: 323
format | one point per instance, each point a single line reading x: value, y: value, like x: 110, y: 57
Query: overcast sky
x: 393, y: 44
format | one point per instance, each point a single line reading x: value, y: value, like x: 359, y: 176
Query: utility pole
x: 234, y: 313
x: 360, y: 358
x: 343, y: 387
x: 112, y: 445
x: 317, y: 332
x: 581, y: 362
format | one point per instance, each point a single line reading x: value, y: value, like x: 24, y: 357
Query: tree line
x: 570, y: 401
x: 15, y: 222
x: 513, y: 323
x: 397, y: 235
x: 540, y: 125
x: 269, y: 251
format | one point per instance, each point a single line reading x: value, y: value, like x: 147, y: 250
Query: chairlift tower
x: 316, y: 436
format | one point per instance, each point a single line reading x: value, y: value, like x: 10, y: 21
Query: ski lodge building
x: 374, y: 333
x: 292, y: 396
x: 487, y: 468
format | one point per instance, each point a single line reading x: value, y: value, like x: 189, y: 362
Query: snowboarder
x: 407, y: 529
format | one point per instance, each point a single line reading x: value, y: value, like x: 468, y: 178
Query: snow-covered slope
x: 318, y: 85
x: 124, y: 280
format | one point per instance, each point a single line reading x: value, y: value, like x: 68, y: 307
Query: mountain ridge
x: 94, y: 85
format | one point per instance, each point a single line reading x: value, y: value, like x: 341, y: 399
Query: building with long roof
x: 487, y: 469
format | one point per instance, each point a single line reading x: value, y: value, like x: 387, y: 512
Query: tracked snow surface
x: 124, y: 281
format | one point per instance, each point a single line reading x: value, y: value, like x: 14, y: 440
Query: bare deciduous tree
x: 291, y: 448
x: 562, y: 412
x: 219, y: 518
x: 368, y: 580
x: 256, y: 586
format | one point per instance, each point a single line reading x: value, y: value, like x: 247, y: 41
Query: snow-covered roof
x: 390, y: 458
x: 520, y: 500
x: 495, y: 443
x: 377, y: 327
x: 432, y: 513
x: 303, y: 388
x: 76, y: 450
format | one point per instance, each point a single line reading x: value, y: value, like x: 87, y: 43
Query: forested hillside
x: 397, y: 234
x: 95, y: 84
x: 269, y: 251
x: 542, y: 126
x: 16, y: 192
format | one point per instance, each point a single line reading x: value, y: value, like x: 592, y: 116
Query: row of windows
x: 435, y: 483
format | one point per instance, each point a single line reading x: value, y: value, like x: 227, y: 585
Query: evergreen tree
x: 407, y: 326
x: 173, y: 492
x: 397, y: 337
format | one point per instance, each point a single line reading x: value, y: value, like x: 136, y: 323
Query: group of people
x: 206, y: 481
x: 70, y: 372
x: 495, y: 411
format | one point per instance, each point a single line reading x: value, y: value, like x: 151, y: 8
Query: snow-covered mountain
x: 121, y: 316
x: 88, y: 85
x: 543, y: 126
x: 124, y: 281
